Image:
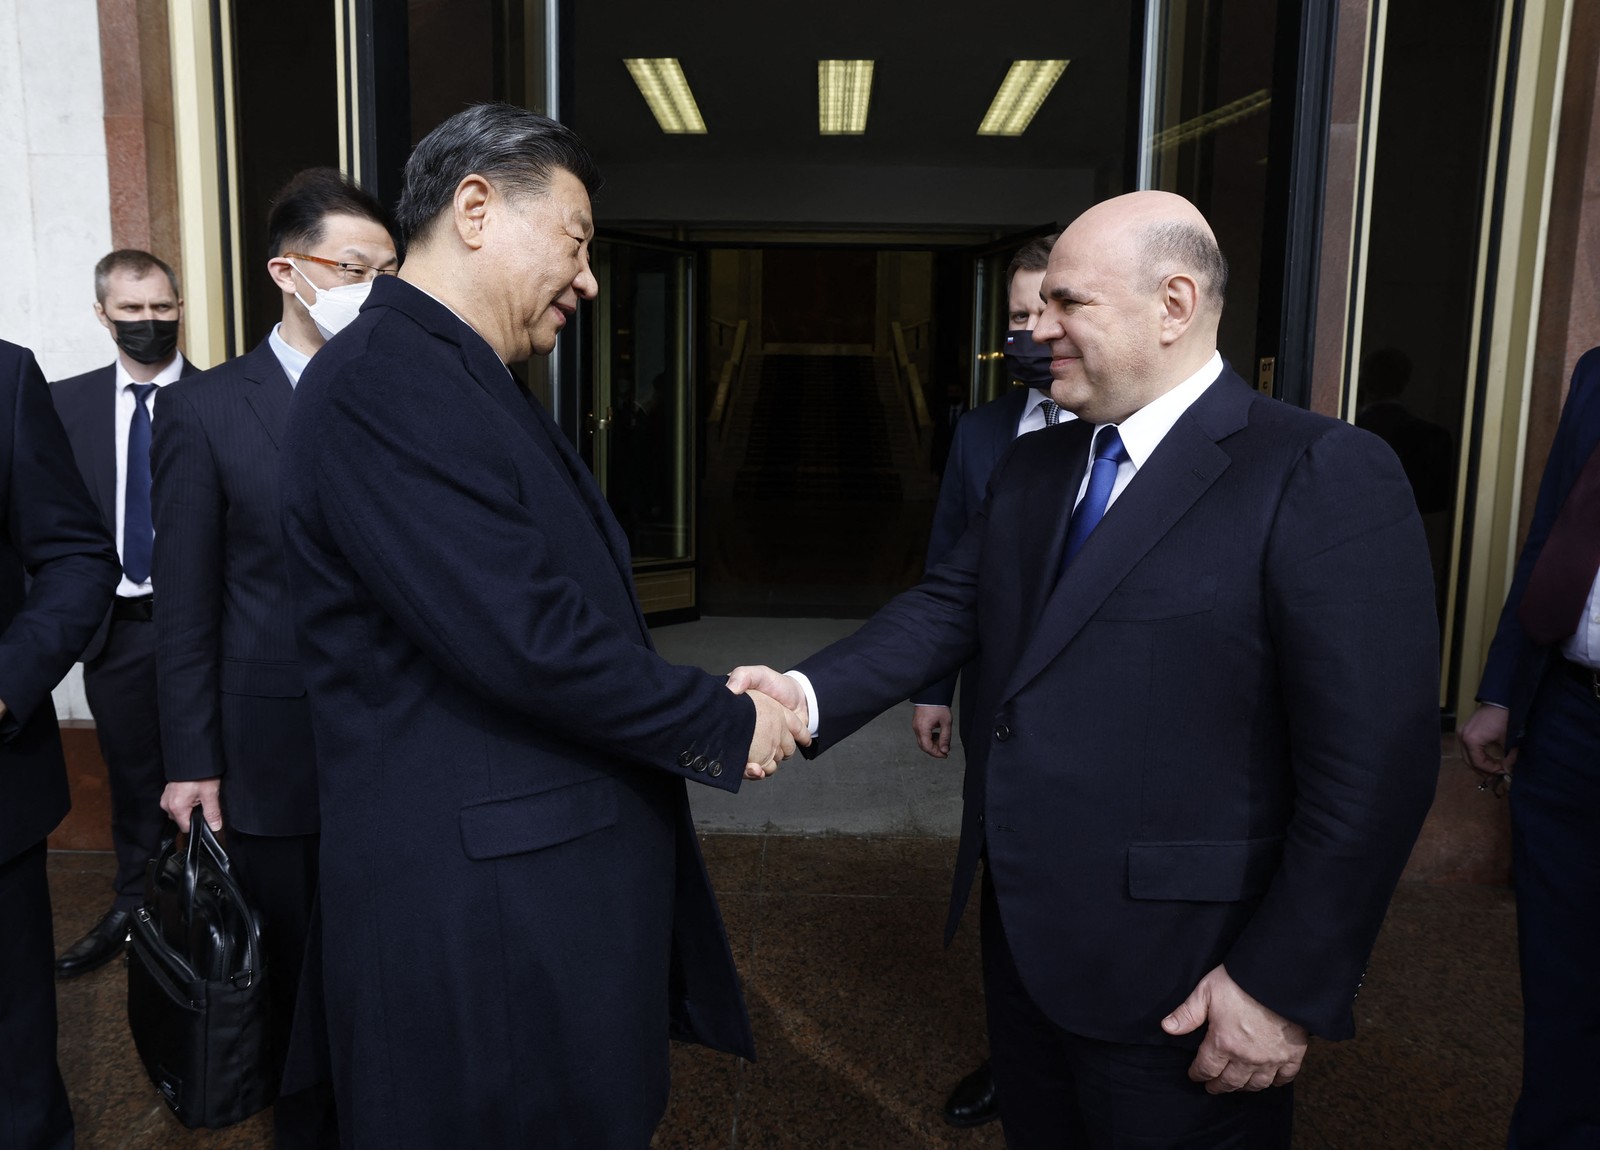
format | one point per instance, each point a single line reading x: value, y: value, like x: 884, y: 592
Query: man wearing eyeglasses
x: 107, y: 414
x: 235, y: 725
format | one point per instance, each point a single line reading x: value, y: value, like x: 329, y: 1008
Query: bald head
x: 1159, y: 234
x: 1133, y: 294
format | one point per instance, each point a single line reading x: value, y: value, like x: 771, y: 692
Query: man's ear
x: 105, y: 320
x: 282, y: 273
x: 470, y: 206
x: 1180, y: 302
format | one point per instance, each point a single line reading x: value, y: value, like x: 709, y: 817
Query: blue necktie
x: 1108, y: 456
x: 138, y: 533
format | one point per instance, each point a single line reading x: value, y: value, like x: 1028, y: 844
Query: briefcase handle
x: 202, y: 840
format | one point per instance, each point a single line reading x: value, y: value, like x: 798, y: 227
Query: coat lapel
x: 480, y: 361
x: 270, y: 391
x: 531, y: 416
x: 102, y: 431
x: 1181, y: 469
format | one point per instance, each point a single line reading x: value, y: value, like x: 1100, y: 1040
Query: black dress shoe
x: 104, y: 942
x: 972, y: 1102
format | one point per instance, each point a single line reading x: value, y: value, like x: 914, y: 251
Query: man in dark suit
x: 1211, y: 715
x: 1541, y: 713
x: 235, y: 724
x: 108, y: 417
x: 515, y: 911
x: 49, y: 534
x: 980, y: 440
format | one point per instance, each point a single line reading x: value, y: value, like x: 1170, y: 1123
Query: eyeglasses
x: 350, y: 273
x: 1496, y: 784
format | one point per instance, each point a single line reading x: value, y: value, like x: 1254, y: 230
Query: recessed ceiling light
x: 844, y: 89
x: 1021, y: 93
x: 662, y: 84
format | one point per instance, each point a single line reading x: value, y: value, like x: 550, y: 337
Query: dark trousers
x: 34, y: 1114
x: 121, y: 685
x: 1062, y: 1091
x: 278, y: 875
x: 1555, y: 837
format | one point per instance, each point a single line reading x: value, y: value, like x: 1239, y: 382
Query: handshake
x: 783, y: 719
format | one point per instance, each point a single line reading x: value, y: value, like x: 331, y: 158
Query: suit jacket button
x: 700, y: 763
x: 1002, y: 732
x: 686, y: 760
x: 716, y: 768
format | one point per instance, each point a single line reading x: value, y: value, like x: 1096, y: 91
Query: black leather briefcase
x: 197, y: 1001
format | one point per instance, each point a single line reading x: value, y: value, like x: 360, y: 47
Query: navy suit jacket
x: 57, y: 573
x: 1516, y: 665
x: 87, y: 405
x: 514, y: 903
x: 1213, y: 739
x: 232, y: 698
x: 982, y: 437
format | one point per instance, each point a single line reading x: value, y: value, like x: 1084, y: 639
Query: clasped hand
x: 782, y: 719
x: 1247, y: 1045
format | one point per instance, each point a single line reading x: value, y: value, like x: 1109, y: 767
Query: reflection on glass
x: 1209, y: 142
x: 643, y: 441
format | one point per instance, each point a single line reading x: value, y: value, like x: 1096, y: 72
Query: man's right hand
x: 769, y: 682
x: 181, y: 798
x: 931, y: 725
x: 1483, y: 741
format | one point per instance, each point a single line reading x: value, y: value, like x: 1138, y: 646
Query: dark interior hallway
x: 818, y: 499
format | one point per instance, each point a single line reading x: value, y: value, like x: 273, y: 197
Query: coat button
x: 701, y: 763
x: 1002, y: 732
x: 716, y: 768
x: 686, y: 760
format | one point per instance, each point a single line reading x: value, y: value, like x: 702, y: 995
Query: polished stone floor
x: 863, y: 1019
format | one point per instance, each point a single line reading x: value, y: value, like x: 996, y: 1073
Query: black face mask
x: 1027, y: 361
x: 147, y: 340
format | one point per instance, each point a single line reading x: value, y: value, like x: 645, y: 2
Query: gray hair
x: 1175, y: 246
x: 514, y: 149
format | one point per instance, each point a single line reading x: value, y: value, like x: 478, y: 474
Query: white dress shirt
x: 127, y: 588
x: 293, y: 362
x: 1584, y: 644
x: 1142, y: 432
x: 1033, y: 413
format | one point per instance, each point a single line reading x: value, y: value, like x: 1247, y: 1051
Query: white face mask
x: 336, y: 307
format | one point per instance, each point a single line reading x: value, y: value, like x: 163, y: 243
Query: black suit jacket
x: 501, y: 757
x: 982, y: 437
x: 57, y: 572
x: 87, y: 405
x: 1214, y: 739
x: 1516, y: 666
x: 232, y: 699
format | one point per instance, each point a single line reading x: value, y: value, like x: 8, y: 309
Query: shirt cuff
x: 811, y: 701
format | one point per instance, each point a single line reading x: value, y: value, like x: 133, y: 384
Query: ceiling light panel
x: 844, y: 89
x: 1021, y: 94
x: 662, y: 84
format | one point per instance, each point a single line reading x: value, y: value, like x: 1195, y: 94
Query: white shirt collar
x: 292, y: 360
x: 1143, y: 431
x: 166, y: 375
x: 1035, y: 398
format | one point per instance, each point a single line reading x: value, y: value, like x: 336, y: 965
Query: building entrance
x: 805, y: 221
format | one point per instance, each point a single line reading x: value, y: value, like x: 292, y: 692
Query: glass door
x: 1234, y: 117
x: 638, y: 432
